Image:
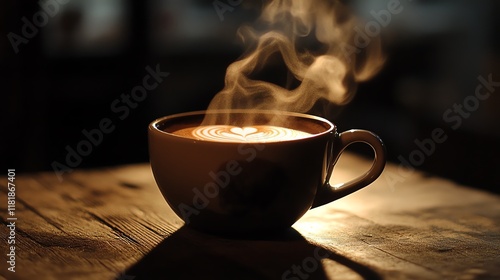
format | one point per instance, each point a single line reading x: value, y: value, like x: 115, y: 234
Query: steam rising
x: 314, y: 40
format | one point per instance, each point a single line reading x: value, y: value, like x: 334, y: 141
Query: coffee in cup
x: 241, y: 177
x: 246, y: 134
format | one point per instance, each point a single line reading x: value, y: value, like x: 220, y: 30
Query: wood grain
x: 113, y: 223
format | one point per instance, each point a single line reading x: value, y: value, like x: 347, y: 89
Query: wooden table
x: 113, y: 223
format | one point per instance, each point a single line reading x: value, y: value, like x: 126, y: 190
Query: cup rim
x: 153, y: 126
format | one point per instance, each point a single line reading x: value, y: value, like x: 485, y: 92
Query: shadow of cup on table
x: 189, y: 254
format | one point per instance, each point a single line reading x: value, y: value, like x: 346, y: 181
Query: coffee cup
x: 251, y: 171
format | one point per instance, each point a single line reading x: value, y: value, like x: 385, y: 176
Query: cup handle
x: 327, y: 193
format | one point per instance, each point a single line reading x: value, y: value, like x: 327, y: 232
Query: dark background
x: 65, y: 78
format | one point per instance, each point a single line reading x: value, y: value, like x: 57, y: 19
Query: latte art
x: 257, y: 133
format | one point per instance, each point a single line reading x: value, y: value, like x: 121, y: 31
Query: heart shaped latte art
x: 243, y: 131
x: 257, y: 133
